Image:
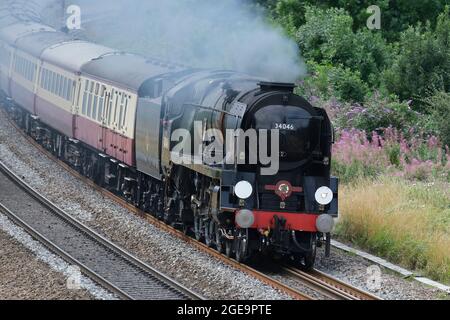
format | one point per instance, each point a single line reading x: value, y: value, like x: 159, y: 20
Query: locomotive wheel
x: 306, y: 261
x: 220, y: 241
x: 198, y: 226
x: 186, y: 229
x: 228, y: 248
x: 309, y: 261
x: 241, y: 243
x: 209, y: 232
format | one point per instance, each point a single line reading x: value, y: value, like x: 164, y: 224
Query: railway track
x: 328, y: 286
x: 325, y: 285
x: 98, y: 258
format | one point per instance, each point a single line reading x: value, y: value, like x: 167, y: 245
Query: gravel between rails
x: 353, y: 269
x: 23, y: 276
x: 28, y: 271
x: 194, y: 269
x: 84, y: 247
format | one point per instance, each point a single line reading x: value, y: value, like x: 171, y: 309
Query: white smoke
x: 202, y: 33
x: 225, y: 34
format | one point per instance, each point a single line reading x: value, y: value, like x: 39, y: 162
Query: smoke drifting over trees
x: 200, y: 33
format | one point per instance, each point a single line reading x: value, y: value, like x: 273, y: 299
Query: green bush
x: 354, y: 171
x: 438, y: 120
x: 327, y: 38
x: 348, y: 85
x: 423, y: 62
x: 335, y: 81
x: 397, y: 16
x: 377, y: 113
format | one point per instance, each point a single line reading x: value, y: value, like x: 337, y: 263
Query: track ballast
x: 98, y: 258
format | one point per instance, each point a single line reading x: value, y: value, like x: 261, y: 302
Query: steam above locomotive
x: 240, y: 163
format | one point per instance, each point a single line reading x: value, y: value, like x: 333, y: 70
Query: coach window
x: 122, y: 102
x: 49, y: 80
x: 20, y: 65
x: 60, y: 85
x: 111, y: 99
x: 64, y: 88
x: 16, y: 64
x: 85, y: 97
x: 125, y: 111
x: 52, y: 82
x: 33, y: 71
x: 41, y: 82
x: 23, y: 66
x: 30, y: 71
x: 44, y: 78
x: 89, y: 106
x: 116, y: 103
x: 55, y: 84
x: 101, y: 102
x: 27, y: 69
x: 94, y: 107
x: 69, y: 89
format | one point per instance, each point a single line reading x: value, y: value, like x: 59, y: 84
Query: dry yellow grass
x: 408, y: 223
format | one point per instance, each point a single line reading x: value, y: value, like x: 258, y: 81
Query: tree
x: 327, y: 37
x: 423, y: 62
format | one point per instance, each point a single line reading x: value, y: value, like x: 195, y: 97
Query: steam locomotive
x: 122, y: 119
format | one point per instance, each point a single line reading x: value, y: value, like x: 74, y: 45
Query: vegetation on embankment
x: 408, y: 223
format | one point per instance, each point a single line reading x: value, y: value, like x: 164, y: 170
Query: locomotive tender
x: 112, y: 116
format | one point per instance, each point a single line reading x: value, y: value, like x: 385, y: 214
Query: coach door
x: 110, y: 135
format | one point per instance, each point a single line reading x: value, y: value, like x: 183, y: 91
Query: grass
x: 405, y: 222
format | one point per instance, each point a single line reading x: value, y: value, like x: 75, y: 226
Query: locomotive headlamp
x: 324, y: 196
x: 325, y: 223
x: 245, y: 218
x: 243, y: 190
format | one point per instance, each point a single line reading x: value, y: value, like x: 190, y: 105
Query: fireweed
x: 418, y: 158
